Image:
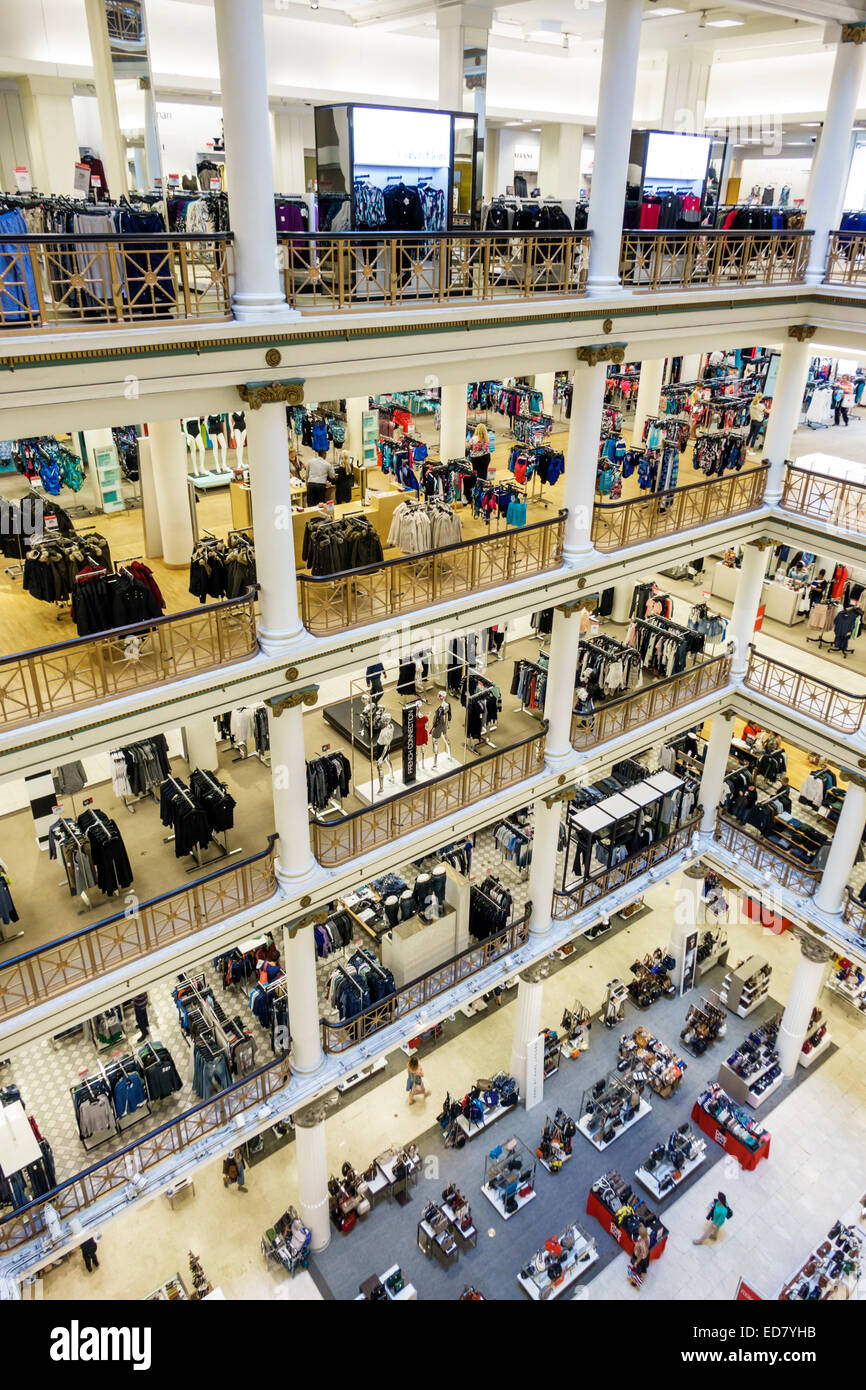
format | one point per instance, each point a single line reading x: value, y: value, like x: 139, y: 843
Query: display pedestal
x: 747, y: 1158
x: 806, y: 1059
x: 597, y: 1209
x: 648, y: 1180
x: 490, y: 1118
x: 643, y: 1109
x: 738, y: 1088
x: 205, y: 481
x: 369, y: 792
x: 495, y: 1199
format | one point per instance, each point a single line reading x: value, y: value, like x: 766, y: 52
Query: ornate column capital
x: 259, y: 393
x: 312, y: 919
x: 568, y: 610
x: 535, y: 974
x: 601, y: 352
x: 761, y: 543
x: 802, y: 331
x: 811, y: 948
x: 277, y: 703
x: 854, y: 33
x: 316, y: 1112
x: 858, y: 779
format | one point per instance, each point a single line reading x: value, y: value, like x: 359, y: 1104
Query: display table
x: 172, y: 1291
x: 643, y: 1109
x: 574, y: 1263
x: 649, y: 1181
x: 369, y: 792
x: 406, y: 1294
x: 490, y: 1117
x: 747, y: 1158
x: 344, y: 716
x: 596, y: 1208
x: 496, y: 1200
x: 738, y: 1088
x: 806, y: 1059
x: 19, y: 1146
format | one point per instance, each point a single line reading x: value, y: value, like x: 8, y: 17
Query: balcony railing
x: 838, y: 709
x: 788, y: 872
x: 568, y: 904
x: 60, y: 281
x: 834, y: 501
x: 366, y: 270
x: 338, y: 841
x: 854, y: 914
x: 337, y: 1037
x: 110, y: 1174
x: 82, y: 672
x: 59, y: 966
x: 617, y: 525
x: 332, y: 603
x: 846, y: 259
x: 658, y: 260
x: 637, y: 710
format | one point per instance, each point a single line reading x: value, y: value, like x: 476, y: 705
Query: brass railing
x: 53, y: 969
x: 334, y: 602
x: 838, y: 709
x: 835, y: 501
x: 617, y: 525
x: 366, y: 270
x: 657, y: 260
x: 337, y: 1037
x: 854, y: 914
x: 77, y: 1194
x: 636, y: 710
x: 338, y: 841
x: 566, y: 903
x: 788, y: 872
x: 846, y: 259
x: 81, y: 672
x: 60, y: 281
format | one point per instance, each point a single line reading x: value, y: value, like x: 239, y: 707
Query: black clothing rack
x: 218, y: 838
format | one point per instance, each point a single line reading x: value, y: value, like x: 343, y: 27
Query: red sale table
x: 747, y: 1158
x: 597, y: 1209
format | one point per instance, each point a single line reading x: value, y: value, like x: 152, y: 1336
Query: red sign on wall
x: 746, y: 1294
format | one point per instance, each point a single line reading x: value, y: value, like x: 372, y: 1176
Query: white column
x: 649, y: 387
x: 311, y: 1155
x: 805, y: 988
x: 785, y: 411
x: 288, y: 152
x: 542, y: 869
x: 750, y: 586
x: 833, y: 156
x: 268, y: 446
x: 299, y: 962
x: 452, y: 434
x: 355, y: 407
x: 691, y: 367
x: 527, y: 1022
x: 295, y: 863
x: 544, y: 382
x: 50, y: 126
x: 113, y: 152
x: 687, y: 81
x: 622, y: 26
x: 168, y: 460
x: 581, y: 462
x: 559, y: 697
x: 715, y: 767
x: 258, y: 293
x: 623, y: 592
x: 201, y: 745
x: 847, y: 837
x: 683, y: 908
x: 559, y: 160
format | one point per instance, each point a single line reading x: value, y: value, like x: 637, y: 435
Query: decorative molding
x: 802, y: 331
x: 604, y: 352
x: 568, y: 610
x: 567, y: 794
x: 257, y: 395
x: 313, y: 919
x: 810, y: 947
x: 308, y: 696
x: 534, y: 974
x: 273, y: 357
x: 854, y: 33
x: 857, y: 779
x: 761, y: 543
x: 308, y: 1116
x: 292, y: 673
x: 607, y: 326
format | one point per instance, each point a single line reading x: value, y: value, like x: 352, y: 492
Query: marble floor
x: 815, y: 1173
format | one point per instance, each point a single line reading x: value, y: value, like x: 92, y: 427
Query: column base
x: 280, y: 643
x: 252, y: 308
x: 603, y: 288
x: 305, y: 1069
x: 831, y: 910
x: 575, y: 557
x: 814, y: 275
x: 294, y: 883
x: 557, y: 760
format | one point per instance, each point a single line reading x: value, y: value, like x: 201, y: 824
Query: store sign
x: 746, y: 1294
x: 690, y: 962
x: 534, y: 1072
x: 22, y: 179
x: 526, y: 157
x: 399, y: 139
x: 174, y: 180
x: 410, y: 751
x: 215, y: 185
x: 759, y: 620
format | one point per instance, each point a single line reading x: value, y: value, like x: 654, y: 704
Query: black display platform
x: 340, y: 717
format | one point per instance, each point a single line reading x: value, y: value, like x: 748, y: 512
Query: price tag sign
x: 215, y: 185
x: 82, y: 178
x: 174, y: 180
x: 22, y: 179
x: 88, y: 801
x: 58, y: 809
x: 95, y: 181
x: 49, y: 523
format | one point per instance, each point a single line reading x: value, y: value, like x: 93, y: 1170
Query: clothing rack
x: 219, y: 838
x: 483, y: 686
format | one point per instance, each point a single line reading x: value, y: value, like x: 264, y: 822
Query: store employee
x: 319, y: 474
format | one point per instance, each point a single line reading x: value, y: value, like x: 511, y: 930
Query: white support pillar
x: 50, y: 125
x: 715, y: 766
x: 452, y: 433
x: 684, y: 911
x: 527, y: 1020
x: 113, y: 152
x: 288, y: 152
x: 649, y: 388
x: 581, y: 461
x: 311, y: 1156
x: 258, y: 293
x: 542, y: 869
x: 559, y: 160
x: 750, y: 586
x: 355, y: 407
x: 690, y: 370
x: 846, y: 841
x: 295, y: 864
x: 268, y: 446
x: 833, y: 156
x: 201, y: 744
x: 299, y: 962
x: 805, y: 988
x: 544, y: 382
x: 786, y: 408
x: 168, y: 462
x: 559, y: 697
x: 687, y: 81
x: 622, y: 28
x: 623, y: 592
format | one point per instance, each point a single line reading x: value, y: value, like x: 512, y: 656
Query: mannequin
x: 382, y: 750
x: 422, y: 735
x: 439, y: 727
x: 216, y: 428
x: 239, y: 430
x: 195, y: 444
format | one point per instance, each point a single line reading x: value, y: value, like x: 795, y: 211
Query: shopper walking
x: 757, y: 415
x: 415, y: 1080
x: 640, y: 1259
x: 847, y: 401
x: 479, y: 452
x: 717, y: 1215
x: 88, y: 1250
x: 319, y: 474
x: 233, y: 1171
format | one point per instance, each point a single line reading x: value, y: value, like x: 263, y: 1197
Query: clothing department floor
x: 815, y: 1170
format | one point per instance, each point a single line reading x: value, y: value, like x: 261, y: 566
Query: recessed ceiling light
x: 662, y: 11
x: 810, y: 125
x: 724, y: 23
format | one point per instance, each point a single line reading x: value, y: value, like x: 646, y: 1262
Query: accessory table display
x: 389, y: 1287
x: 663, y: 1066
x: 753, y: 1073
x: 509, y: 1178
x: 705, y: 1022
x: 614, y: 1203
x: 486, y: 1102
x: 818, y: 1039
x: 746, y: 986
x: 729, y: 1126
x: 554, y: 1147
x: 612, y: 1106
x: 288, y: 1242
x: 670, y: 1164
x: 563, y: 1260
x: 832, y: 1271
x: 652, y: 978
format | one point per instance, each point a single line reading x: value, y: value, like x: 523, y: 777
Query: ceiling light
x: 314, y: 4
x: 810, y: 125
x: 724, y: 23
x: 662, y: 11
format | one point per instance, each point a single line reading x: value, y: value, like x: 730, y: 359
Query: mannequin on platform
x: 422, y: 734
x: 195, y: 443
x: 382, y: 750
x: 239, y: 431
x: 216, y: 428
x: 439, y: 727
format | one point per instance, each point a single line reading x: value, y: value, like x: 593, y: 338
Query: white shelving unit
x: 806, y: 1059
x: 496, y: 1201
x: 643, y: 1109
x: 649, y: 1181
